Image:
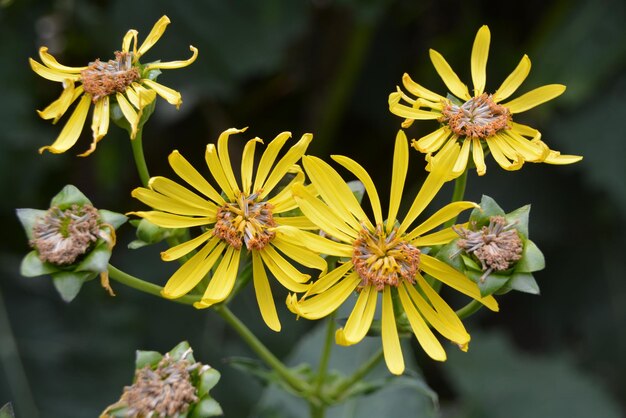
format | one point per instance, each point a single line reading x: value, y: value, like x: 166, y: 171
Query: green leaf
x: 207, y: 407
x: 97, y: 260
x: 7, y: 411
x: 208, y: 380
x: 147, y: 358
x: 69, y: 196
x: 32, y: 266
x: 180, y: 350
x: 524, y: 282
x: 28, y: 218
x: 68, y: 283
x: 112, y: 218
x: 532, y: 259
x: 520, y: 218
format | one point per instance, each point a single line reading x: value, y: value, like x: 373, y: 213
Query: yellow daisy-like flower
x: 123, y: 80
x: 238, y: 218
x: 479, y: 121
x: 384, y: 256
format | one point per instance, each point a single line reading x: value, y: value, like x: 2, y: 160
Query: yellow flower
x: 123, y: 80
x: 383, y: 256
x: 236, y: 219
x: 480, y: 121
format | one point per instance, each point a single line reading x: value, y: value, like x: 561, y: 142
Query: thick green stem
x: 318, y: 409
x: 140, y: 161
x: 146, y: 287
x: 458, y: 194
x: 359, y: 374
x: 262, y: 351
x: 469, y: 309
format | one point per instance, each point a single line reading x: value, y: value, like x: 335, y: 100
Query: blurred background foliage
x: 325, y: 67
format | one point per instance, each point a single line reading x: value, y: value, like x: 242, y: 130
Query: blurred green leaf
x: 7, y: 411
x: 207, y: 407
x: 68, y: 283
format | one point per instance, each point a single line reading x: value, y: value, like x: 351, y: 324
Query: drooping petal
x: 419, y: 90
x: 455, y: 328
x: 154, y: 35
x: 300, y: 253
x: 449, y: 77
x: 263, y: 293
x: 72, y: 129
x: 555, y: 157
x: 461, y: 162
x: 325, y: 303
x: 143, y: 95
x: 130, y: 37
x: 531, y: 151
x: 409, y: 112
x: 170, y: 95
x: 247, y: 163
x: 433, y: 141
x: 129, y: 113
x: 360, y: 319
x: 285, y: 164
x: 535, y: 98
x: 513, y: 81
x: 480, y: 53
x: 500, y: 158
x: 478, y: 156
x: 268, y: 158
x: 398, y: 175
x: 444, y: 214
x: 181, y: 250
x: 58, y: 108
x: 51, y: 62
x: 391, y: 342
x: 99, y: 123
x: 315, y: 242
x: 52, y: 74
x: 170, y: 65
x: 168, y: 220
x: 187, y: 172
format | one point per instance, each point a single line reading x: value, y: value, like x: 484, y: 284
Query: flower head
x: 122, y: 82
x: 383, y: 256
x: 240, y: 218
x: 479, y: 121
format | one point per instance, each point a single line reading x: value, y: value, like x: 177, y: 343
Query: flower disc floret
x: 101, y: 79
x: 479, y: 117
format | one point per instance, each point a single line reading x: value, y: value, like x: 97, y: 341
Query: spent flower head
x: 72, y: 241
x: 237, y: 220
x: 121, y: 86
x: 383, y: 256
x: 478, y: 121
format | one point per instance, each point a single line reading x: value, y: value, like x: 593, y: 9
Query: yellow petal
x: 433, y: 141
x: 58, y: 108
x: 154, y: 35
x: 99, y: 123
x: 173, y: 64
x: 436, y: 238
x: 143, y: 95
x: 285, y: 164
x: 555, y: 157
x: 263, y: 294
x: 284, y: 201
x: 461, y: 162
x: 222, y: 150
x: 51, y: 73
x: 326, y: 281
x: 193, y: 271
x: 424, y: 335
x: 301, y: 222
x: 129, y: 113
x: 223, y: 279
x: 315, y: 242
x: 247, y: 163
x: 501, y: 159
x: 444, y: 214
x: 72, y: 129
x: 535, y: 98
x: 409, y: 112
x: 525, y: 130
x: 288, y: 270
x: 364, y: 178
x: 131, y: 36
x: 391, y: 342
x: 168, y: 220
x: 181, y: 194
x: 456, y: 280
x: 418, y: 90
x: 449, y: 77
x: 181, y: 250
x: 478, y: 156
x: 164, y: 203
x: 480, y: 52
x: 325, y: 303
x: 300, y: 253
x: 362, y: 315
x: 217, y: 171
x: 51, y: 62
x: 530, y: 151
x: 513, y: 81
x: 268, y: 158
x: 185, y: 171
x: 398, y: 175
x: 170, y: 95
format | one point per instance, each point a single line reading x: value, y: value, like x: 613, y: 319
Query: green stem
x: 318, y: 409
x: 140, y: 161
x: 262, y: 351
x: 358, y: 375
x: 469, y: 309
x: 458, y: 194
x: 146, y: 287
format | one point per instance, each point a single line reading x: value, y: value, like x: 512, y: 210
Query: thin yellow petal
x: 398, y: 175
x: 222, y: 150
x: 263, y: 294
x: 478, y: 156
x: 144, y: 96
x: 391, y: 342
x: 433, y: 141
x: 129, y: 113
x: 52, y: 74
x: 360, y: 319
x: 131, y: 36
x: 72, y: 129
x: 301, y: 222
x: 268, y: 158
x: 326, y: 281
x: 223, y: 279
x: 300, y: 254
x: 165, y: 203
x: 282, y: 270
x: 461, y: 162
x: 154, y: 35
x: 99, y: 123
x: 170, y: 95
x: 170, y: 65
x: 513, y: 81
x: 168, y: 220
x: 419, y: 90
x: 444, y: 214
x: 530, y: 151
x: 181, y: 250
x: 525, y: 130
x: 456, y: 280
x: 501, y: 159
x: 187, y: 172
x: 51, y: 62
x: 436, y: 238
x: 284, y: 201
x: 58, y: 108
x: 535, y: 98
x: 325, y: 303
x: 449, y: 77
x: 480, y: 53
x: 285, y: 164
x: 217, y: 170
x: 315, y: 242
x: 404, y: 111
x: 247, y: 163
x: 180, y: 193
x: 424, y: 335
x: 555, y: 157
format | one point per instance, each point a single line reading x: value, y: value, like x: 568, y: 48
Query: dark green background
x: 325, y: 67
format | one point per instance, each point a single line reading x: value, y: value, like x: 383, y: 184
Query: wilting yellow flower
x: 123, y: 80
x: 238, y: 218
x: 480, y: 121
x: 384, y: 256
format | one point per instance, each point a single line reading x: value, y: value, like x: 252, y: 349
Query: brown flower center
x: 497, y: 246
x: 60, y: 237
x: 245, y: 221
x: 480, y: 117
x: 103, y: 78
x: 383, y: 259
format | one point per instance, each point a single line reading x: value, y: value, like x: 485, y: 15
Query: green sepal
x: 532, y: 259
x: 112, y: 218
x: 181, y: 349
x: 147, y: 358
x: 470, y: 263
x: 207, y: 407
x: 97, y: 260
x: 32, y: 266
x: 69, y: 196
x: 491, y: 284
x: 523, y: 282
x: 446, y: 252
x: 152, y: 74
x: 520, y: 218
x: 68, y: 283
x: 28, y: 218
x: 453, y: 99
x: 208, y: 380
x: 148, y: 233
x: 488, y: 208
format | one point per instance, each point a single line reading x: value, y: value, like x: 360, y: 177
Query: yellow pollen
x: 480, y: 117
x: 383, y: 259
x: 245, y: 221
x: 103, y: 78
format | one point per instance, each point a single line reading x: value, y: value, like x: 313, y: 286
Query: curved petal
x: 360, y: 319
x: 300, y: 254
x: 170, y: 65
x: 327, y: 302
x: 398, y: 176
x: 513, y: 81
x: 449, y: 77
x: 223, y: 279
x: 131, y: 36
x: 181, y: 250
x: 170, y: 95
x: 433, y: 141
x: 263, y: 293
x: 129, y: 113
x: 535, y: 98
x: 285, y: 164
x: 99, y: 123
x: 72, y: 129
x: 530, y: 151
x: 224, y: 157
x: 247, y: 164
x: 480, y: 53
x: 51, y: 62
x: 420, y: 91
x: 404, y: 111
x: 268, y: 158
x: 52, y: 74
x: 461, y: 162
x: 478, y: 156
x: 58, y: 108
x: 154, y: 35
x: 286, y: 274
x: 555, y: 157
x: 391, y: 341
x: 501, y: 159
x: 187, y: 172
